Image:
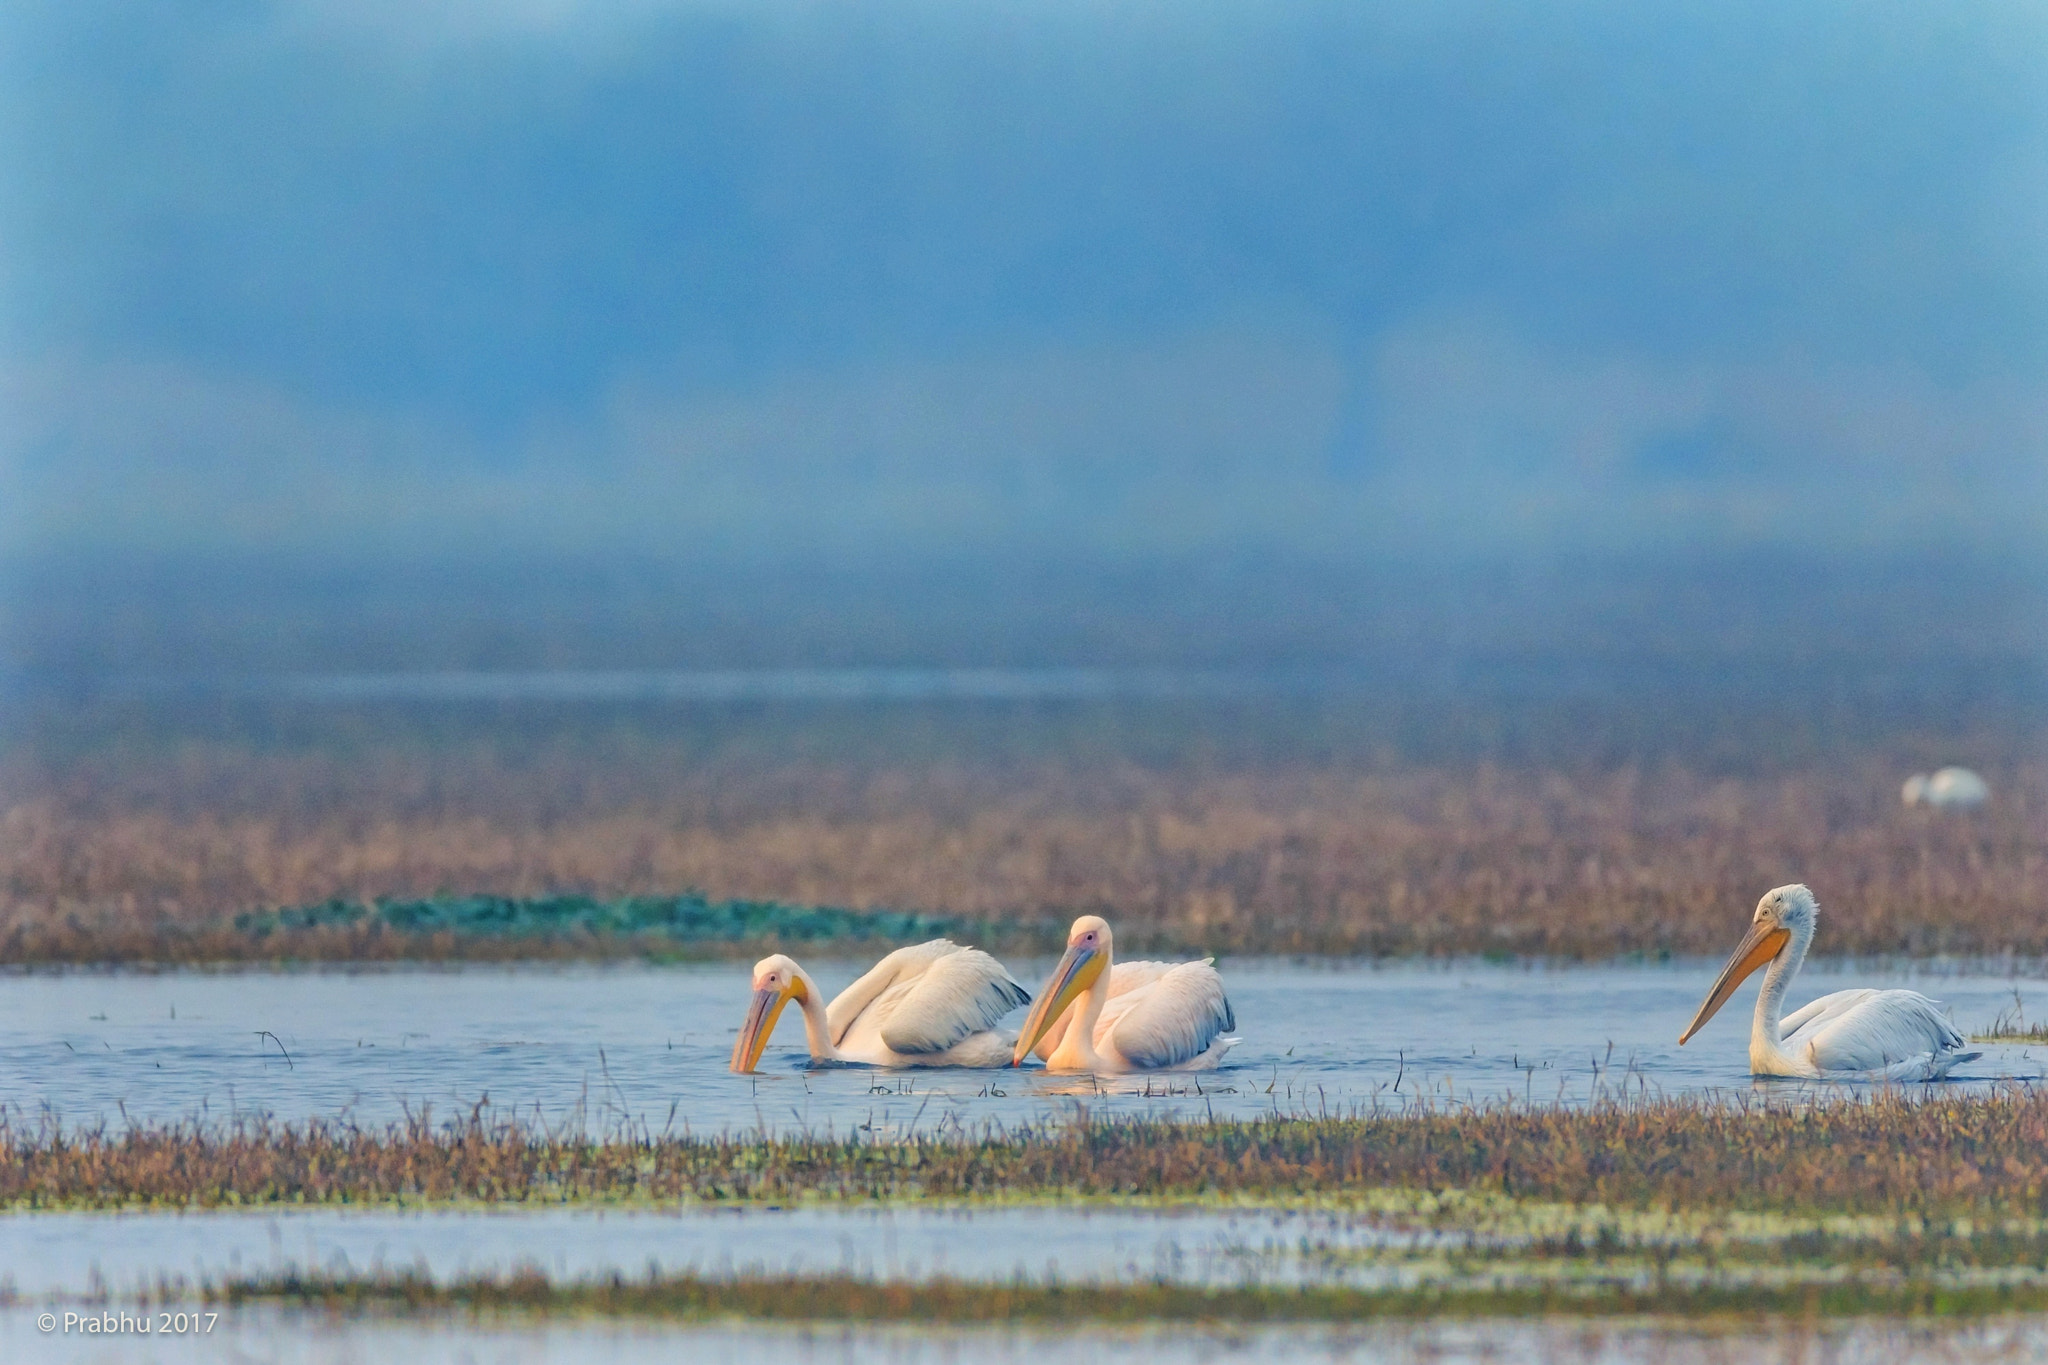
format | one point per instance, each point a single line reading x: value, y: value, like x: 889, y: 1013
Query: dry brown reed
x: 1946, y: 1156
x: 125, y: 858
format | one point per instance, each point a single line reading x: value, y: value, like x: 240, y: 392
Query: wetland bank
x: 1884, y: 1205
x: 227, y: 827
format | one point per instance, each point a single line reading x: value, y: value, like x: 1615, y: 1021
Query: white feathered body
x: 935, y: 1004
x: 1161, y: 1016
x: 1892, y: 1034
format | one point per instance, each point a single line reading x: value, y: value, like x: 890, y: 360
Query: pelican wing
x: 1825, y: 1008
x: 956, y: 996
x: 1125, y: 977
x: 1174, y: 1017
x: 901, y: 966
x: 1127, y: 983
x: 1872, y: 1030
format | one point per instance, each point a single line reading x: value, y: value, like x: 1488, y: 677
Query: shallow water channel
x: 610, y: 1045
x: 56, y: 1255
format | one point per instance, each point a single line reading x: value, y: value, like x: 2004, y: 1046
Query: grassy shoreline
x: 850, y: 1299
x: 687, y: 928
x: 1887, y: 1204
x: 1892, y: 1156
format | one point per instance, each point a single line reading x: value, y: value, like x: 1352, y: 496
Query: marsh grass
x: 2033, y: 1033
x: 849, y: 1299
x: 1891, y: 1156
x: 2011, y: 1026
x: 150, y: 851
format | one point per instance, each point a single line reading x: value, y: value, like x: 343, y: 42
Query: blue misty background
x: 434, y: 334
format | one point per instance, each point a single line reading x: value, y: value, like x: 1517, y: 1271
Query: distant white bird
x: 1103, y: 1016
x: 1948, y: 789
x: 936, y: 1004
x: 1889, y: 1035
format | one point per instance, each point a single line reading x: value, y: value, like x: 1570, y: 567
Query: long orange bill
x: 1758, y: 946
x: 753, y: 1039
x: 1075, y: 974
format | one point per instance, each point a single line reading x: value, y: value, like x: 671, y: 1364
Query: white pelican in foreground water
x: 1892, y: 1035
x: 933, y: 1005
x: 1132, y: 1016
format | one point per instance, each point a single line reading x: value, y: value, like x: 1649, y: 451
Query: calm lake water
x: 649, y: 1046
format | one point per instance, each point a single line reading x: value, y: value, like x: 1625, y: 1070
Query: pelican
x: 1947, y: 789
x: 1888, y: 1035
x: 936, y: 1004
x: 1132, y: 1016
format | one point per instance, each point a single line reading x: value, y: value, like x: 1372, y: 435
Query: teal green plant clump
x: 687, y: 918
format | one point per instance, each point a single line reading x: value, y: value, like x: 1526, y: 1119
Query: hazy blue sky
x: 713, y: 278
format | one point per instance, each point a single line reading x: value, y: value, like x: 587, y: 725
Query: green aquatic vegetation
x: 1503, y: 1221
x: 494, y: 928
x: 851, y: 1299
x: 686, y: 919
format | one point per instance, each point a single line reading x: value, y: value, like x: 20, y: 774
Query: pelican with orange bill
x: 1849, y: 1035
x: 936, y: 1004
x: 1099, y: 1015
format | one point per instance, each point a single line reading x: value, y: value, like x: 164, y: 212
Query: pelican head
x: 777, y: 981
x: 1088, y: 955
x: 1782, y: 915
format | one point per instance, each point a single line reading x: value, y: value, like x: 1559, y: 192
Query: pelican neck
x: 817, y: 1026
x: 1765, y: 1032
x: 1081, y: 1035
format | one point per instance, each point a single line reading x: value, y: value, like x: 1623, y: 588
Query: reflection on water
x: 650, y: 1046
x: 291, y: 1338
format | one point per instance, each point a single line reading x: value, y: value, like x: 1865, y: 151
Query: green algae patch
x: 493, y: 928
x: 683, y: 919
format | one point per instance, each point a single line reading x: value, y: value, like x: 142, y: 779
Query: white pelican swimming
x: 1131, y: 1016
x: 936, y: 1004
x: 1892, y: 1035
